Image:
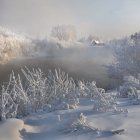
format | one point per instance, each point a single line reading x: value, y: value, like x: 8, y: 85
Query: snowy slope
x: 55, y: 125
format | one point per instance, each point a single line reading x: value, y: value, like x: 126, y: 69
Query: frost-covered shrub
x: 36, y: 88
x: 80, y: 124
x: 36, y: 91
x: 128, y: 92
x: 15, y: 97
x: 53, y: 91
x: 56, y: 90
x: 102, y: 101
x: 64, y: 90
x: 130, y: 89
x: 8, y: 108
x: 19, y: 95
x: 82, y: 90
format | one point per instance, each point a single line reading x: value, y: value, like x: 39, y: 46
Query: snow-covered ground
x: 9, y: 129
x: 56, y: 125
x: 60, y: 91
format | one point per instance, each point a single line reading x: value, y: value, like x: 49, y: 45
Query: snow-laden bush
x: 36, y: 88
x: 8, y: 108
x: 53, y: 91
x: 102, y: 101
x: 37, y: 91
x: 130, y: 89
x: 16, y: 98
x: 80, y: 124
x: 82, y: 90
x: 64, y: 90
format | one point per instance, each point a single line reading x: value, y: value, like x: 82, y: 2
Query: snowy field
x: 69, y: 70
x: 52, y: 104
x: 57, y: 125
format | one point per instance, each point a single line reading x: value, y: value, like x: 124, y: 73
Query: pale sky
x: 105, y: 18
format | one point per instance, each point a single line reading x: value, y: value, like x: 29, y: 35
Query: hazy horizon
x: 104, y: 18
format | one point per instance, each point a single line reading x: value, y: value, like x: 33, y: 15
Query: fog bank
x: 84, y: 64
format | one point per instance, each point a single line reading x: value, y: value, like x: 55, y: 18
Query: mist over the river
x: 87, y: 64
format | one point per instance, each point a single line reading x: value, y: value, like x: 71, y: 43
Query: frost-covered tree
x: 127, y: 60
x: 64, y: 32
x: 13, y: 45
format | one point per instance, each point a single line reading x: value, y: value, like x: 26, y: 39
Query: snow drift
x: 9, y: 129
